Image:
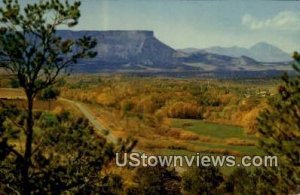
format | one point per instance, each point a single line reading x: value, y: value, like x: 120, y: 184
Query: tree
x: 49, y: 94
x: 156, y: 180
x: 14, y: 83
x: 31, y: 49
x: 279, y: 129
x: 202, y: 180
x: 68, y: 158
x: 257, y: 181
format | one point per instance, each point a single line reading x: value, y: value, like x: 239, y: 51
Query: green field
x: 220, y: 134
x: 211, y: 129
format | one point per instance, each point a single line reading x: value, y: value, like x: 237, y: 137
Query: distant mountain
x: 188, y: 50
x: 268, y: 53
x: 229, y: 51
x: 141, y: 51
x: 262, y: 52
x: 215, y: 62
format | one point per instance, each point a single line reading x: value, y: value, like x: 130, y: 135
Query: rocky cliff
x: 127, y: 49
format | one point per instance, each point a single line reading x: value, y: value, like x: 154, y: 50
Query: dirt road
x: 93, y: 120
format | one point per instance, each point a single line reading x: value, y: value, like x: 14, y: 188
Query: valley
x: 206, y: 116
x: 169, y: 114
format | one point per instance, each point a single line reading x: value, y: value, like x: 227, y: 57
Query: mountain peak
x: 264, y: 45
x: 261, y: 51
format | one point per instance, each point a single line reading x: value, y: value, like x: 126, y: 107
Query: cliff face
x: 127, y: 48
x: 122, y: 45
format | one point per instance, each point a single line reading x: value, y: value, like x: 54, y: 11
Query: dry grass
x: 185, y: 135
x: 54, y: 106
x: 10, y: 93
x: 239, y: 142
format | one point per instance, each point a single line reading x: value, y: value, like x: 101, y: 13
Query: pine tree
x: 279, y: 129
x: 31, y: 50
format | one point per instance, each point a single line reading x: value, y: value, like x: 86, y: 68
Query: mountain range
x: 262, y: 51
x: 141, y: 51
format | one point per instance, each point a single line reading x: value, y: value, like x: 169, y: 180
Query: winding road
x: 11, y: 94
x: 93, y: 120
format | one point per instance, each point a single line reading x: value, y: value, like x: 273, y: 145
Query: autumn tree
x: 279, y: 130
x: 31, y: 50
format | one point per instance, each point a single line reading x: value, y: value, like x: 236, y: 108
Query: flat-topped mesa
x: 127, y: 47
x: 123, y: 38
x: 145, y: 33
x: 107, y: 33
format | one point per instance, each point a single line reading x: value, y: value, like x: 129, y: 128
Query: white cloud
x: 285, y: 20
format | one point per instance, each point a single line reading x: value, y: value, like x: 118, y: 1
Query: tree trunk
x: 49, y: 105
x: 28, y: 148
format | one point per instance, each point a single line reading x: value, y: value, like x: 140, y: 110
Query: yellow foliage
x: 249, y: 120
x: 227, y: 98
x: 184, y: 110
x: 106, y: 99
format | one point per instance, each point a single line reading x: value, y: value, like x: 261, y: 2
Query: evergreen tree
x: 202, y: 180
x: 257, y: 181
x: 279, y: 130
x: 156, y: 180
x: 31, y: 50
x: 68, y: 157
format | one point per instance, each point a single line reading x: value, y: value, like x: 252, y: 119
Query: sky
x: 198, y: 23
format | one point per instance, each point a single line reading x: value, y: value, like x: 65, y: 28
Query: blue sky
x: 200, y: 24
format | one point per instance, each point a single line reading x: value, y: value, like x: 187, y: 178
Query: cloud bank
x: 285, y: 20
